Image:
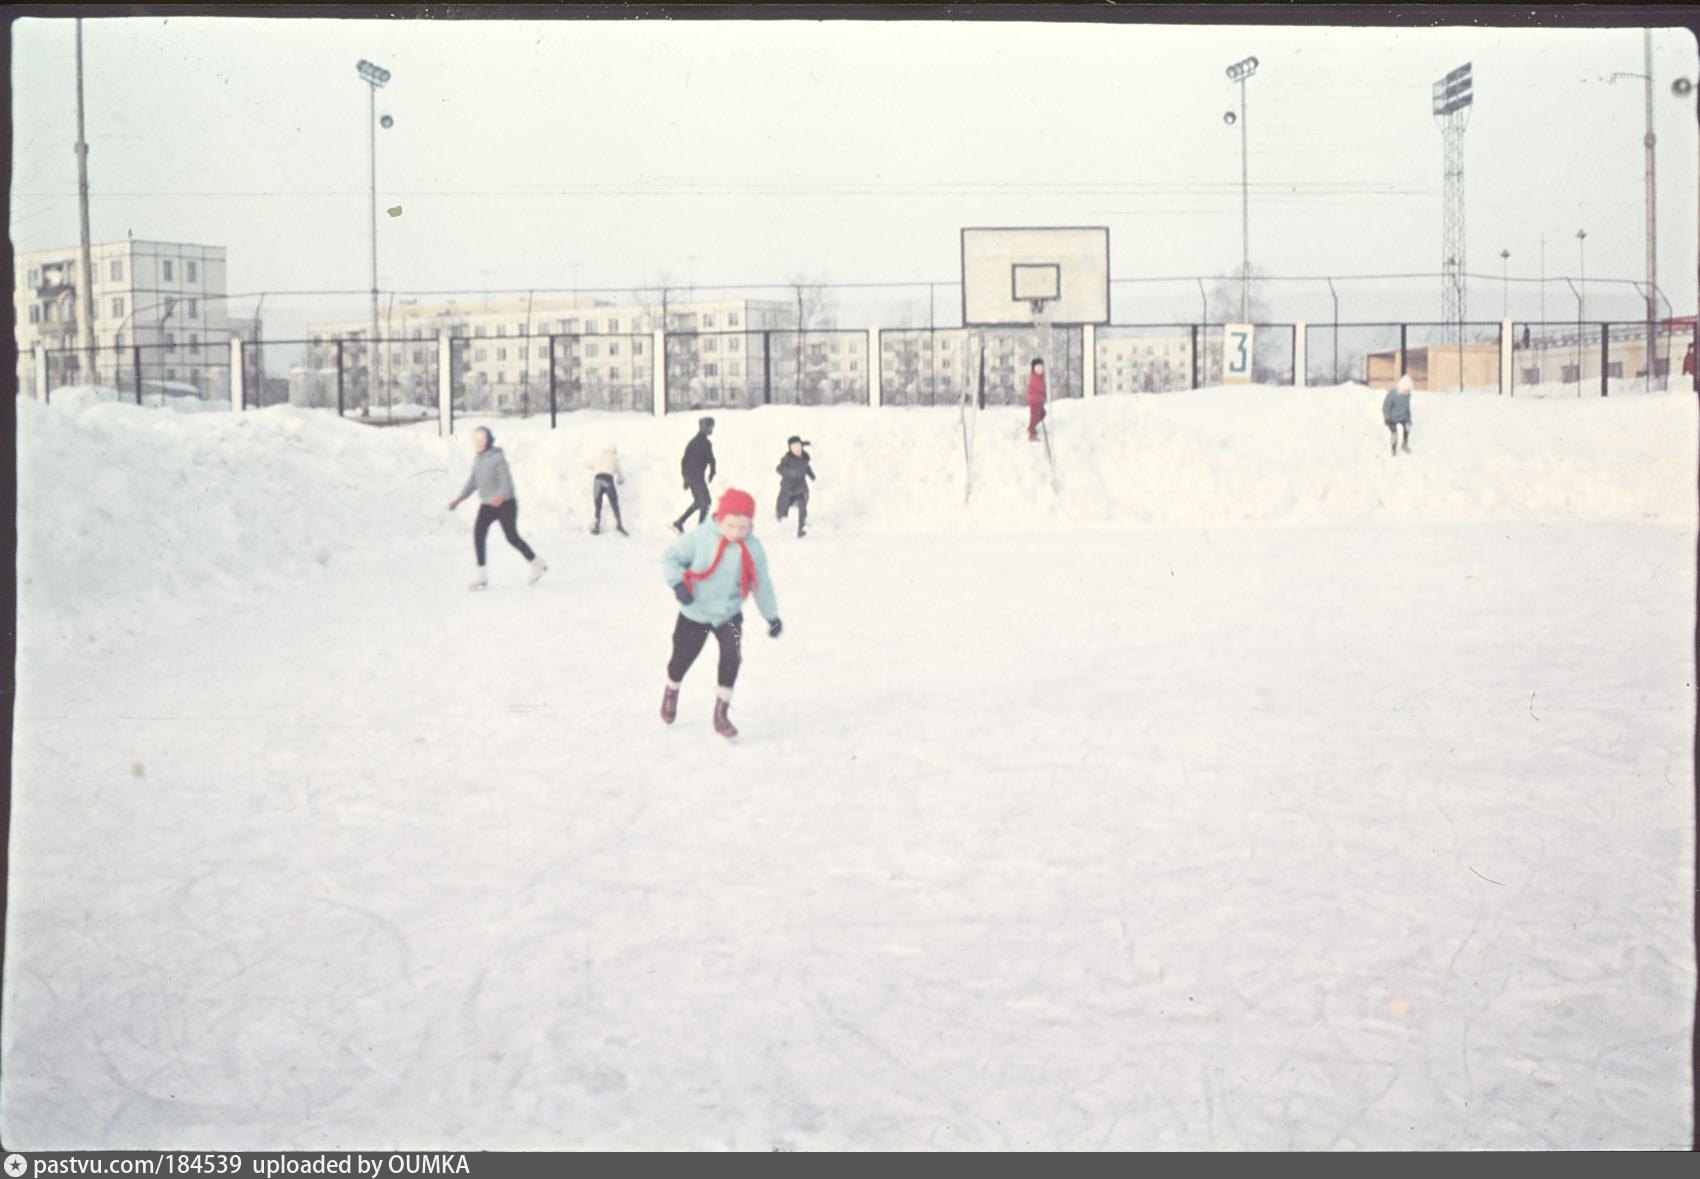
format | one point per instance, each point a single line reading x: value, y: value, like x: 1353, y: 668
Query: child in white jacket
x: 607, y: 474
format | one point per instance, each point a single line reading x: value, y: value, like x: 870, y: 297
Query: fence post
x: 339, y: 378
x: 445, y: 384
x: 136, y: 358
x: 1401, y: 349
x: 1605, y: 355
x: 238, y: 391
x: 1299, y: 358
x: 39, y: 357
x: 874, y: 367
x: 1089, y: 365
x: 767, y: 368
x: 551, y: 382
x: 658, y: 371
x: 1193, y: 328
x: 1507, y: 366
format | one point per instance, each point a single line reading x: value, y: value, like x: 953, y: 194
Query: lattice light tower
x: 1453, y: 97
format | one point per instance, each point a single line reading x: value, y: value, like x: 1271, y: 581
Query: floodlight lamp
x: 386, y: 122
x: 1230, y: 118
x: 1681, y: 87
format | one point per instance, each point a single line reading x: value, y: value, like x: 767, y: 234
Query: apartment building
x: 508, y: 352
x: 159, y: 315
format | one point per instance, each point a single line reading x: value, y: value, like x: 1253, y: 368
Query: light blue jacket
x: 1396, y: 407
x: 717, y: 599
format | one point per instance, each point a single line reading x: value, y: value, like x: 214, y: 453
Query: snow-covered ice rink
x: 1258, y: 791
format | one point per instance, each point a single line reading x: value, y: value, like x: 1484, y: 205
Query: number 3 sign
x: 1236, y: 353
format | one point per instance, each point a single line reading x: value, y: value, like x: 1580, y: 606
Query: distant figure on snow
x: 699, y: 458
x: 794, y: 475
x: 496, y: 503
x: 1035, y: 398
x: 607, y: 474
x: 711, y: 583
x: 1396, y: 412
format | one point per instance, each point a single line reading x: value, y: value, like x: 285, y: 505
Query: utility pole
x: 85, y: 279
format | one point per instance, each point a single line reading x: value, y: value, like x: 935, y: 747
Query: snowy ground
x: 1318, y: 832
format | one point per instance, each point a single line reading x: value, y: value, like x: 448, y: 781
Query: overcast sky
x: 549, y: 154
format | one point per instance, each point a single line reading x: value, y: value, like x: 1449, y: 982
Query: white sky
x: 551, y: 154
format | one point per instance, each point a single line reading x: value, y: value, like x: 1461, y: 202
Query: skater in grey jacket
x: 1396, y: 412
x: 494, y: 484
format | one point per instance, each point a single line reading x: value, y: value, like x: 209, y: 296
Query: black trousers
x: 800, y: 497
x: 1393, y: 431
x: 506, y: 515
x: 700, y: 501
x: 688, y: 640
x: 605, y: 489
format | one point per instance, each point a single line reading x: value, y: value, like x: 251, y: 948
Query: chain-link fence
x: 818, y: 367
x: 1145, y: 358
x: 924, y: 366
x: 715, y: 369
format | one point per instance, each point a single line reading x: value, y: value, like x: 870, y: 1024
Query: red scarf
x: 746, y: 569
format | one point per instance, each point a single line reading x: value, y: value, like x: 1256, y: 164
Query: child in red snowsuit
x: 1035, y: 399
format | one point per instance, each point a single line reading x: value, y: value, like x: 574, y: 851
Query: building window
x: 35, y: 276
x: 165, y: 269
x: 118, y: 307
x: 35, y: 312
x: 855, y: 365
x: 501, y: 354
x: 117, y: 272
x: 613, y: 347
x: 711, y: 370
x: 171, y: 341
x: 479, y: 353
x: 194, y: 309
x: 501, y: 329
x: 519, y: 329
x: 614, y: 374
x: 190, y: 272
x: 590, y: 326
x: 171, y: 374
x: 710, y: 344
x: 734, y: 344
x: 571, y: 326
x: 732, y: 320
x: 708, y: 321
x: 478, y: 331
x: 590, y: 350
x: 734, y: 369
x: 637, y: 347
x: 1571, y: 373
x: 502, y: 376
x: 613, y: 326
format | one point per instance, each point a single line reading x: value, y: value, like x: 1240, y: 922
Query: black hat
x: 705, y: 423
x: 795, y: 438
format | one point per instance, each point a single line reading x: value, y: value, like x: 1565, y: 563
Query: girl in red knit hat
x: 712, y: 569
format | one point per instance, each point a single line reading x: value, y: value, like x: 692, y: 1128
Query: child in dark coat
x: 794, y: 475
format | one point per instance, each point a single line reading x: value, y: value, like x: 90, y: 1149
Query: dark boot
x: 620, y: 528
x: 669, y: 703
x: 596, y: 528
x: 723, y: 722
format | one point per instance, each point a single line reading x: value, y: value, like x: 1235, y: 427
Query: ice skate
x: 480, y: 581
x: 1406, y: 446
x: 669, y: 703
x: 723, y: 722
x: 621, y: 529
x: 538, y: 569
x: 596, y: 528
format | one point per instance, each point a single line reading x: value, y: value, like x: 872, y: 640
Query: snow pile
x: 118, y: 504
x: 175, y: 395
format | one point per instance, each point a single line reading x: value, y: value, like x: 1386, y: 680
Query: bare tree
x: 812, y: 300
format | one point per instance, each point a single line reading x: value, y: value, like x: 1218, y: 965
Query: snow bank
x: 118, y: 504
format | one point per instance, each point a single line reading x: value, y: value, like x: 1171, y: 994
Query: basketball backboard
x: 1016, y: 277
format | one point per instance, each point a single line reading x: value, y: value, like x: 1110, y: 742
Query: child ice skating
x: 1035, y: 398
x: 698, y: 459
x: 711, y: 570
x: 1396, y: 413
x: 607, y: 474
x: 794, y: 475
x: 494, y: 484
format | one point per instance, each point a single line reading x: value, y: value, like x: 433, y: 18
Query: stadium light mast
x: 1241, y: 72
x: 85, y: 263
x: 1453, y: 97
x: 1505, y: 284
x: 374, y: 76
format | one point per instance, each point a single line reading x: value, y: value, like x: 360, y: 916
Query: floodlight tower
x: 374, y: 76
x: 1241, y: 72
x: 1453, y: 97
